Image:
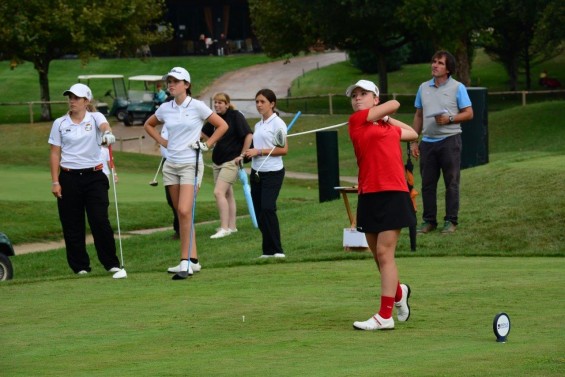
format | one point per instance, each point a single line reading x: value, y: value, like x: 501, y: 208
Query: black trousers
x: 264, y: 192
x: 441, y: 157
x: 86, y: 192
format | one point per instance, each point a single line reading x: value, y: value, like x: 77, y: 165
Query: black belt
x: 80, y: 171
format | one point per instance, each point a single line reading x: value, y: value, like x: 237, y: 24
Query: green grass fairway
x: 243, y: 316
x: 289, y: 319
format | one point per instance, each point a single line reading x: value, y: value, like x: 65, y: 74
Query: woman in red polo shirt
x: 384, y: 205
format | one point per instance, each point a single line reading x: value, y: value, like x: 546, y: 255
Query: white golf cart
x: 143, y: 98
x: 118, y: 94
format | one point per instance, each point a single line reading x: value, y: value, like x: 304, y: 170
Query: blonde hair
x: 223, y: 97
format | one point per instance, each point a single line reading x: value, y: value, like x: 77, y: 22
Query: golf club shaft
x: 193, y: 207
x: 293, y: 121
x: 159, y: 169
x: 265, y: 160
x: 116, y: 202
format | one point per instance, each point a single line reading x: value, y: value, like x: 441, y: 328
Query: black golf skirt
x: 387, y: 210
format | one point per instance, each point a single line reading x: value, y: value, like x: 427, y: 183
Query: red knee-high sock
x: 386, y: 307
x: 398, y: 295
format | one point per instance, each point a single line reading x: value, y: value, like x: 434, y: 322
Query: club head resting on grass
x: 153, y: 183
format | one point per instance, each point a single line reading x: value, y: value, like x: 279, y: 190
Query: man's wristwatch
x: 451, y: 119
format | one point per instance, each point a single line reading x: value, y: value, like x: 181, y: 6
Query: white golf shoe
x: 114, y: 269
x: 120, y: 274
x: 191, y: 268
x: 221, y: 233
x: 376, y: 322
x: 402, y: 307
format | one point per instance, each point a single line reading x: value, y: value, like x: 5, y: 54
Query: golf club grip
x: 196, y: 166
x: 111, y: 164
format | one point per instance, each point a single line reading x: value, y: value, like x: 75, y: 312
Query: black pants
x: 86, y: 192
x: 175, y: 216
x: 264, y: 192
x: 441, y: 157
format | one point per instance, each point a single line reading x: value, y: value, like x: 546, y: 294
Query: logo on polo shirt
x: 88, y: 127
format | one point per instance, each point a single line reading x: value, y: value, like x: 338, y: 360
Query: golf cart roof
x: 146, y: 78
x: 88, y: 77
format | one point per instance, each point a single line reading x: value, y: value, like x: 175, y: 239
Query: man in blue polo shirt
x: 442, y: 103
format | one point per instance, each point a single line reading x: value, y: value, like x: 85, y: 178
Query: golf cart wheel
x: 128, y: 121
x: 6, y: 269
x: 121, y: 114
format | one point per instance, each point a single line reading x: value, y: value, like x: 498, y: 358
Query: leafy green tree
x: 524, y: 34
x: 40, y: 31
x: 449, y: 25
x: 291, y: 26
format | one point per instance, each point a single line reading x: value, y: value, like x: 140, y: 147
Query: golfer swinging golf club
x: 384, y: 204
x: 184, y: 117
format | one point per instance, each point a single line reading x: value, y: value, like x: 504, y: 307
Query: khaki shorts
x: 227, y: 172
x: 181, y: 174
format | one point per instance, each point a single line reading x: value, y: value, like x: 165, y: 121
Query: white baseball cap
x: 80, y: 90
x: 365, y: 84
x: 178, y: 73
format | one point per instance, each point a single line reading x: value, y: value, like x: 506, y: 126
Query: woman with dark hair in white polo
x: 79, y: 183
x: 184, y: 117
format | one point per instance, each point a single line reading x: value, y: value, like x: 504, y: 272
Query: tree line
x: 517, y: 33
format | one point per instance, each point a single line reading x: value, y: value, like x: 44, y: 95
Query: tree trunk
x: 513, y: 75
x: 42, y: 68
x: 463, y: 66
x: 383, y: 75
x: 528, y: 69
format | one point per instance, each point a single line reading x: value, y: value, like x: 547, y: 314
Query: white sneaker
x: 196, y: 267
x: 176, y: 269
x: 234, y: 230
x: 276, y: 255
x: 82, y: 272
x: 376, y: 322
x: 402, y: 307
x: 114, y: 269
x: 221, y: 233
x: 120, y: 274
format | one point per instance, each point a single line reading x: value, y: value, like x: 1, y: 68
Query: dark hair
x: 450, y: 62
x: 188, y: 89
x: 270, y: 96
